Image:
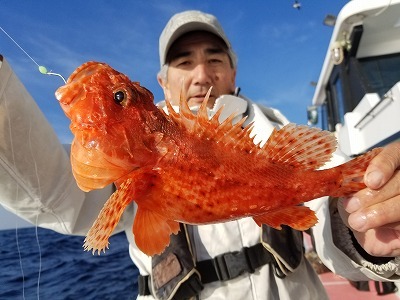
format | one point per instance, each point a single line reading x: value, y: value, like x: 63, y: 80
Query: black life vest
x: 177, y: 275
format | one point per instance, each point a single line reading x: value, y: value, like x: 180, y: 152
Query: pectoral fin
x: 152, y: 231
x: 109, y: 216
x: 297, y: 217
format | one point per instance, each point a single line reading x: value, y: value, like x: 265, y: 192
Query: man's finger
x: 378, y: 215
x: 381, y: 167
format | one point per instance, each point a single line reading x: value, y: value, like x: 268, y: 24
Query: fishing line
x: 37, y: 215
x: 20, y: 259
x: 16, y: 198
x: 40, y: 257
x: 42, y: 69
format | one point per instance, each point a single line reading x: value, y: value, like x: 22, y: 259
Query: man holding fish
x: 239, y: 258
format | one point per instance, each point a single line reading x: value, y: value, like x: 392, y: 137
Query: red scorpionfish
x: 189, y: 168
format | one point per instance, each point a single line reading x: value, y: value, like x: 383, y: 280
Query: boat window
x: 339, y: 99
x: 382, y: 72
x: 334, y: 102
x: 324, y: 117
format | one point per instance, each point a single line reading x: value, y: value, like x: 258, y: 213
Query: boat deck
x: 339, y: 288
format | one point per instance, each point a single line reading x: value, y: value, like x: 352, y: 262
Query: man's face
x: 198, y: 61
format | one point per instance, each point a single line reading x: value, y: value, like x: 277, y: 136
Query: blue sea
x: 47, y: 265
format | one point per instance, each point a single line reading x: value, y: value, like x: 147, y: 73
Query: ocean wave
x: 58, y: 268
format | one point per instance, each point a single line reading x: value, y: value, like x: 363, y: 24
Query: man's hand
x: 373, y: 214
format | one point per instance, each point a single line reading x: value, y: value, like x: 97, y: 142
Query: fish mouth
x: 70, y: 92
x: 84, y: 70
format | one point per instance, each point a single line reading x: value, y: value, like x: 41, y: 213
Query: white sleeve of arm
x: 36, y: 180
x: 336, y: 249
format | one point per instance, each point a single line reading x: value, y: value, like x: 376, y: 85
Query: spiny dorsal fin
x: 225, y: 133
x: 185, y: 118
x: 300, y: 145
x: 297, y: 145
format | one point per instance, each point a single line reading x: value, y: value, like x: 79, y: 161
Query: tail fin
x: 353, y: 173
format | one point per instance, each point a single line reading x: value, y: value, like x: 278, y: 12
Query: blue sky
x: 280, y: 49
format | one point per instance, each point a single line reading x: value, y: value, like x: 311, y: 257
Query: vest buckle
x: 232, y: 264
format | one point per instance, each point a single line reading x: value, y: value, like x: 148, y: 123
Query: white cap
x: 187, y: 21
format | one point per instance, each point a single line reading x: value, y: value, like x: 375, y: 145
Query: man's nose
x: 202, y: 74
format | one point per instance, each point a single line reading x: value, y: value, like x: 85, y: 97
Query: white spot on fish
x: 92, y: 144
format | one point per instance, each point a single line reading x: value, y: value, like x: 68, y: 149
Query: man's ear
x: 234, y: 78
x: 164, y: 85
x: 160, y: 81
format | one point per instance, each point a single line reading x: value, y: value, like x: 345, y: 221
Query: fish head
x: 95, y: 95
x: 108, y: 114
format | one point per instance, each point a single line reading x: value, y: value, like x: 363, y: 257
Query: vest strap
x: 233, y: 264
x: 224, y: 267
x: 143, y: 283
x: 190, y: 287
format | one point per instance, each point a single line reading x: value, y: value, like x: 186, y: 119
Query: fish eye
x: 119, y: 96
